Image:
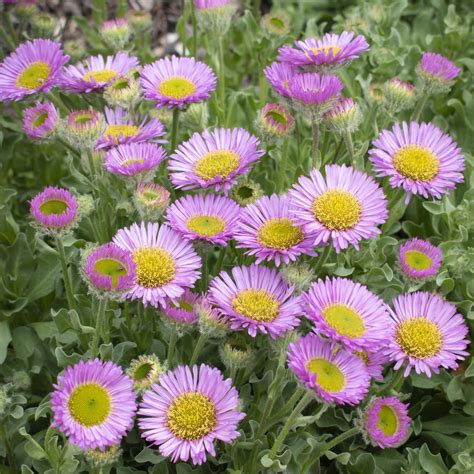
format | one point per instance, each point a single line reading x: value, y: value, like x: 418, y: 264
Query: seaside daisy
x: 175, y: 81
x: 343, y: 116
x: 437, y: 73
x: 256, y: 299
x: 214, y: 159
x: 188, y: 410
x: 182, y: 311
x: 342, y: 208
x: 386, y: 422
x: 165, y: 263
x: 399, y: 95
x: 419, y: 157
x: 419, y: 259
x: 109, y: 269
x: 347, y: 312
x: 151, y: 199
x: 54, y: 209
x: 123, y: 92
x: 40, y: 121
x: 123, y: 129
x: 275, y: 120
x: 335, y: 375
x: 144, y: 372
x: 267, y: 230
x: 96, y: 72
x: 82, y: 128
x: 134, y: 159
x: 327, y: 53
x: 215, y: 15
x: 116, y: 32
x: 314, y: 93
x: 209, y: 218
x: 93, y: 404
x: 374, y: 360
x: 279, y: 75
x: 33, y: 67
x: 427, y: 334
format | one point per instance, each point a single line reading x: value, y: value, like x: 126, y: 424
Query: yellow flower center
x: 326, y: 50
x: 206, y: 225
x: 53, y: 206
x: 128, y: 163
x: 34, y: 75
x: 89, y: 404
x: 416, y: 162
x: 362, y: 355
x: 217, y: 163
x: 419, y: 337
x: 329, y: 377
x: 337, y: 209
x: 111, y: 268
x: 103, y: 75
x: 258, y: 305
x: 117, y: 131
x: 191, y: 416
x: 344, y: 320
x: 279, y: 233
x: 417, y: 260
x: 388, y: 421
x: 154, y: 267
x: 38, y: 121
x: 176, y: 87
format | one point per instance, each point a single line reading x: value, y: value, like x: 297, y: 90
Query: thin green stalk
x: 396, y: 208
x: 11, y: 45
x: 11, y: 31
x: 171, y: 348
x: 396, y: 382
x: 66, y: 277
x: 325, y: 146
x: 221, y: 79
x: 9, y: 448
x: 99, y: 328
x: 263, y: 90
x: 198, y: 348
x: 350, y: 148
x: 220, y: 260
x: 337, y: 150
x: 316, y: 161
x: 90, y: 161
x: 283, y: 166
x: 322, y: 259
x: 205, y: 271
x: 420, y: 106
x: 57, y: 101
x: 194, y: 25
x: 174, y: 129
x: 288, y: 406
x: 305, y: 400
x: 328, y: 446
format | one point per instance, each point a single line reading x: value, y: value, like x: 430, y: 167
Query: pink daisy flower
x: 40, y: 121
x: 184, y: 309
x: 279, y: 76
x: 419, y: 259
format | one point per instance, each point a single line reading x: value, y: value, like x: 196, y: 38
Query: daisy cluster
x: 202, y: 248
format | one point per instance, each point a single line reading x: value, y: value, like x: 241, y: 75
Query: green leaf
x: 5, y: 338
x: 432, y: 463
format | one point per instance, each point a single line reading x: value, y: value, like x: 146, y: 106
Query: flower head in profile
x: 40, y: 121
x: 419, y: 259
x: 214, y: 159
x: 165, y: 264
x: 330, y: 52
x: 208, y: 218
x: 256, y: 299
x: 96, y: 72
x: 182, y: 311
x: 398, y: 95
x: 109, y: 269
x: 177, y: 81
x: 123, y: 92
x: 82, y: 128
x: 188, y: 410
x: 427, y: 334
x: 144, y: 372
x: 93, y: 404
x: 279, y: 75
x: 123, y: 129
x: 275, y: 121
x: 135, y: 159
x: 116, y: 32
x: 419, y: 157
x: 267, y: 230
x: 54, y: 209
x: 151, y: 200
x: 386, y: 423
x: 343, y: 116
x: 436, y: 72
x: 335, y: 375
x: 276, y: 23
x: 348, y: 313
x: 215, y: 15
x: 33, y: 67
x: 342, y: 208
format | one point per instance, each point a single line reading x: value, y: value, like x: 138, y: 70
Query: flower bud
x: 344, y: 116
x: 145, y: 371
x: 116, y: 33
x: 246, y: 192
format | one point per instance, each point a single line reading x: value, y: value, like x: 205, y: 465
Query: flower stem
x: 194, y: 25
x: 329, y: 445
x: 283, y: 166
x: 9, y: 448
x: 11, y: 30
x: 171, y: 347
x: 307, y: 397
x: 197, y: 349
x: 322, y: 259
x: 316, y: 162
x: 57, y: 101
x: 350, y: 148
x: 395, y: 382
x: 99, y: 328
x: 174, y: 129
x: 66, y: 277
x: 419, y: 106
x: 220, y: 260
x: 221, y: 78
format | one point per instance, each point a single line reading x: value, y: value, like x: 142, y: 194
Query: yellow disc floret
x: 344, y: 320
x: 206, y: 225
x: 103, y: 75
x: 34, y: 75
x: 218, y: 163
x: 417, y: 260
x: 89, y: 404
x: 329, y: 377
x: 337, y: 209
x: 258, y: 305
x: 279, y: 233
x: 416, y: 162
x: 419, y: 337
x: 388, y: 421
x: 176, y: 87
x: 154, y: 267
